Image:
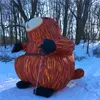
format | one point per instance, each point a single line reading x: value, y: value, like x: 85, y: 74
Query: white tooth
x: 33, y: 23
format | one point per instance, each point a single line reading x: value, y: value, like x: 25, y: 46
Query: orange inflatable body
x: 57, y: 68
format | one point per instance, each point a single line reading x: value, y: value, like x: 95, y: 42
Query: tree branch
x: 72, y: 13
x: 19, y: 7
x: 70, y: 10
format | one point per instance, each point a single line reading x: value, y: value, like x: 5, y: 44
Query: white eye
x: 33, y: 23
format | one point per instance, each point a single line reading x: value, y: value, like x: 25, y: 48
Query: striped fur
x: 57, y: 68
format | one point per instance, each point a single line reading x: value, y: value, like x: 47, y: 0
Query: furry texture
x: 58, y: 67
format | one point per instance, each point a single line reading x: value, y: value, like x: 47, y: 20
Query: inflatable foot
x: 45, y: 92
x: 23, y: 84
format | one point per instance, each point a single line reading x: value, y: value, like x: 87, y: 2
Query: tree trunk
x: 34, y: 7
x: 82, y: 15
x: 65, y: 18
x: 3, y: 29
x: 19, y: 7
x: 15, y: 22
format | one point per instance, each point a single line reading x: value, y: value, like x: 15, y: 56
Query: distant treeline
x: 78, y: 19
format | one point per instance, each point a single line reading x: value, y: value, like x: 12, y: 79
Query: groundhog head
x: 40, y: 28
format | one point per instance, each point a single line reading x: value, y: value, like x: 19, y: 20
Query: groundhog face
x: 40, y: 28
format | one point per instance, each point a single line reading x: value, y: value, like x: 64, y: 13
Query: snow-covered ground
x: 86, y: 88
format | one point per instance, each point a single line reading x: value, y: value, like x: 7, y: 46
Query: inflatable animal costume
x: 48, y: 60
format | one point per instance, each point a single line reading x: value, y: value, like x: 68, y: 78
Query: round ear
x: 33, y: 23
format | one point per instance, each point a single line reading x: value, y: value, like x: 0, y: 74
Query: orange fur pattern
x: 57, y: 68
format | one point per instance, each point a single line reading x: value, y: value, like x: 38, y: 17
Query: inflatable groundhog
x: 48, y: 63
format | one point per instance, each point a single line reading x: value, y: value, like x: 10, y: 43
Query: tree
x: 2, y: 26
x: 83, y: 7
x: 65, y: 18
x: 19, y: 6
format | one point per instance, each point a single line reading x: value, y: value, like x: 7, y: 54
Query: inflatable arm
x: 60, y: 47
x: 19, y: 46
x: 64, y: 47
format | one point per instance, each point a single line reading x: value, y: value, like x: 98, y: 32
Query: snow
x: 86, y: 88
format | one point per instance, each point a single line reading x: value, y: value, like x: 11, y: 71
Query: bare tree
x: 65, y: 23
x: 2, y: 26
x: 19, y: 6
x: 83, y: 7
